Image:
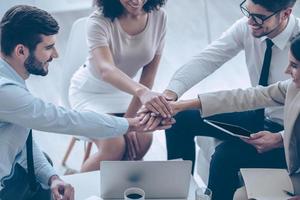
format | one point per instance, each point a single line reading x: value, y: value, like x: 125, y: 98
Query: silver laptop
x: 159, y: 179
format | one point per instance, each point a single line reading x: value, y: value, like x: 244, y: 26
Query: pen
x: 289, y: 193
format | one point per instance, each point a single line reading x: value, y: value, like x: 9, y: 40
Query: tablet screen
x: 231, y: 129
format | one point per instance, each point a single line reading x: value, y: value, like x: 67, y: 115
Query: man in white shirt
x: 28, y: 37
x: 264, y: 35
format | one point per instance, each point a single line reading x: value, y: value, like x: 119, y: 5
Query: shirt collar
x: 282, y: 40
x: 8, y: 72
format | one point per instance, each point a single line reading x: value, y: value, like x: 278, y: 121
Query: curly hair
x: 295, y: 46
x: 113, y: 8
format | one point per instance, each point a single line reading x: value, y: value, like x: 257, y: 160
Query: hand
x: 132, y: 145
x: 149, y: 123
x: 155, y: 102
x: 264, y: 141
x: 60, y: 189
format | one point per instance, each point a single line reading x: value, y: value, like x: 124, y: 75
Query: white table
x: 88, y: 184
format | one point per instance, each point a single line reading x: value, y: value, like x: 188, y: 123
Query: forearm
x: 188, y: 104
x: 241, y: 100
x: 122, y: 81
x: 133, y: 107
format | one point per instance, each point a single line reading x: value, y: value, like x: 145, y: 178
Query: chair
x: 76, y: 53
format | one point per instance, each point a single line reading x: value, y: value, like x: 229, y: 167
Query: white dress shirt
x: 20, y: 111
x: 237, y: 38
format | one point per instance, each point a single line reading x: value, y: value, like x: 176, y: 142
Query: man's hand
x: 155, y: 102
x: 60, y: 189
x: 132, y: 145
x: 147, y: 123
x: 265, y: 141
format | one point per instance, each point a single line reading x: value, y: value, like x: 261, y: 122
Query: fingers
x: 258, y: 135
x: 145, y: 119
x: 159, y: 105
x: 68, y: 192
x: 55, y: 194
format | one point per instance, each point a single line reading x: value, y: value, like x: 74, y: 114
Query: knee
x: 112, y: 148
x: 222, y: 156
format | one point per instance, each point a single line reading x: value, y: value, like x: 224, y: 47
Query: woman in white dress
x: 123, y: 37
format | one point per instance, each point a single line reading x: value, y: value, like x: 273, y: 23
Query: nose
x: 288, y: 70
x: 251, y: 21
x: 55, y: 53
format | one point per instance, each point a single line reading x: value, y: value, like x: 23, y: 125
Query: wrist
x: 279, y: 140
x: 53, y: 178
x: 133, y: 124
x: 170, y: 95
x: 141, y: 91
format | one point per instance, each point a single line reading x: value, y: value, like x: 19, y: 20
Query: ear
x: 21, y: 51
x: 286, y: 13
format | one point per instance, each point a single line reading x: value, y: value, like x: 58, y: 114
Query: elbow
x: 105, y: 74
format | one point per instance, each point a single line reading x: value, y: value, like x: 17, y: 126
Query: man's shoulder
x: 6, y: 82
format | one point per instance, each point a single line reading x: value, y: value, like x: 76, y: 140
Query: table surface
x: 88, y: 184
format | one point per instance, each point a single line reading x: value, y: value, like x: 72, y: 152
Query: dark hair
x: 275, y: 5
x: 24, y: 24
x: 295, y: 47
x: 113, y: 8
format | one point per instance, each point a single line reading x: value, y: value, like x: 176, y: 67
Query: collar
x: 282, y: 40
x: 8, y: 72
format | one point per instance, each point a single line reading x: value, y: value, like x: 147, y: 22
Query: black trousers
x: 229, y: 156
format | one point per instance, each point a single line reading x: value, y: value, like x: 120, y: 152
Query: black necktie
x: 30, y: 164
x: 264, y: 76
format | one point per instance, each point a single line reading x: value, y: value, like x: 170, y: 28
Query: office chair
x: 76, y: 53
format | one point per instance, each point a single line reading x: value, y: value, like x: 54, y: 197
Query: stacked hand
x: 156, y: 103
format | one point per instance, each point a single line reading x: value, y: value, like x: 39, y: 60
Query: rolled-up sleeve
x: 20, y: 107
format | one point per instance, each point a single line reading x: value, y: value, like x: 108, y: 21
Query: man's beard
x: 34, y: 66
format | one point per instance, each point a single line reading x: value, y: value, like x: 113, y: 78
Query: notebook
x: 267, y: 184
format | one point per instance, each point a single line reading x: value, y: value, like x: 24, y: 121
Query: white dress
x: 130, y: 54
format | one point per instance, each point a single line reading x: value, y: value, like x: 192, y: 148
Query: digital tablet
x: 230, y: 129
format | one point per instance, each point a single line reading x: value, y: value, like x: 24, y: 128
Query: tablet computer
x: 230, y: 129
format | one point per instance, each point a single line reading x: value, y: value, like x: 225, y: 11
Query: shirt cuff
x: 281, y: 133
x: 122, y: 126
x: 45, y: 175
x: 178, y: 87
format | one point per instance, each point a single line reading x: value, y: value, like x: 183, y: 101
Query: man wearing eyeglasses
x: 264, y: 34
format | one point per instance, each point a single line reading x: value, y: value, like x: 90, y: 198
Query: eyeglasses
x: 257, y: 18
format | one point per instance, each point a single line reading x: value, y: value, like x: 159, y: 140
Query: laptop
x: 159, y: 179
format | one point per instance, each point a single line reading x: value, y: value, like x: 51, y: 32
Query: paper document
x: 267, y: 184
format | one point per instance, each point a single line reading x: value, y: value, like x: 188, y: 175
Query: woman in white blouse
x: 123, y: 37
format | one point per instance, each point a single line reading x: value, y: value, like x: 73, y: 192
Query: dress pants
x: 229, y: 156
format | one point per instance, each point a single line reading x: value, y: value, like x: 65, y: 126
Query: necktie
x: 264, y: 76
x: 30, y: 164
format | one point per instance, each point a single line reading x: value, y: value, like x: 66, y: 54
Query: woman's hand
x: 155, y: 102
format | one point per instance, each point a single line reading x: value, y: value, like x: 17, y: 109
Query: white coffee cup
x: 134, y: 193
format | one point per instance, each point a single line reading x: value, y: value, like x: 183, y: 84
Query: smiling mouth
x: 134, y: 6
